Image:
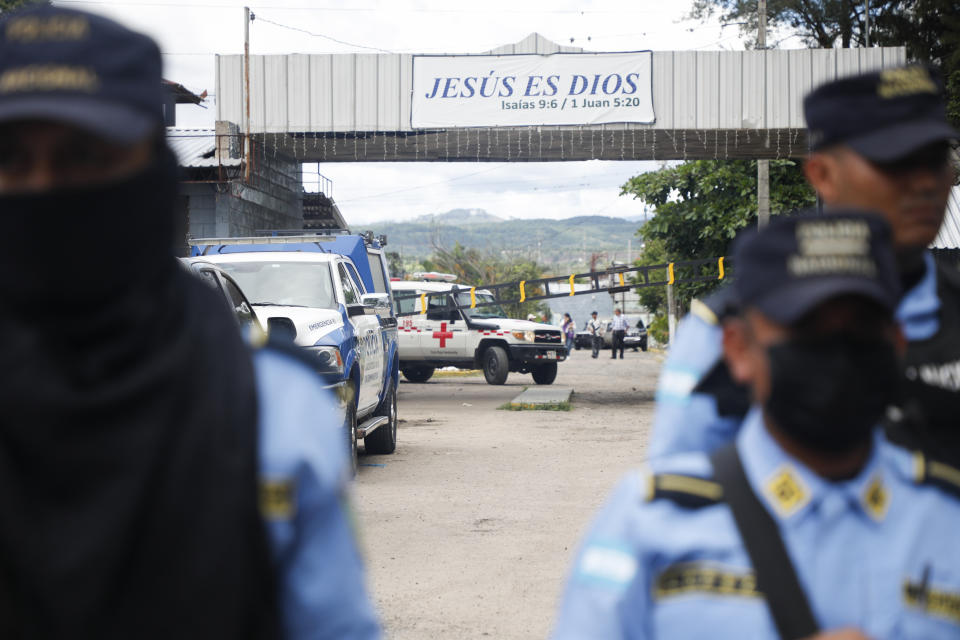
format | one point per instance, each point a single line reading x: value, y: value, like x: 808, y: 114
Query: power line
x: 320, y: 35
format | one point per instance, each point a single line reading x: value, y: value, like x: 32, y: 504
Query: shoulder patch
x: 943, y: 476
x: 686, y: 491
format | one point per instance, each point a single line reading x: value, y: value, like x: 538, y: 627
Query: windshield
x: 290, y: 284
x: 492, y: 311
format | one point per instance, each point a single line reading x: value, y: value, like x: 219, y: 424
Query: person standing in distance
x: 595, y: 327
x: 619, y: 328
x: 856, y: 537
x: 158, y: 479
x: 880, y: 142
x: 569, y: 332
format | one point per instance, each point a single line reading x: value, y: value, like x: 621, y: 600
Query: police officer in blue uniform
x: 158, y: 478
x: 811, y: 522
x: 880, y: 142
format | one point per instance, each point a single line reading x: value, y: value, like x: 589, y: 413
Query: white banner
x: 522, y: 90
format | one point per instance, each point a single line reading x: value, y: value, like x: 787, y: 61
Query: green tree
x: 701, y: 205
x: 475, y: 268
x: 654, y: 299
x: 395, y: 264
x: 930, y: 29
x: 11, y: 5
x: 820, y: 23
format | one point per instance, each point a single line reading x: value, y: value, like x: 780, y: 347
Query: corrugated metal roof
x: 949, y: 236
x: 196, y: 148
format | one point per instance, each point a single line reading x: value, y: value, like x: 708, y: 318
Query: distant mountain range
x: 459, y: 217
x: 548, y: 241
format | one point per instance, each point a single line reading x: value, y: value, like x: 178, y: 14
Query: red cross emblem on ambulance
x: 443, y: 335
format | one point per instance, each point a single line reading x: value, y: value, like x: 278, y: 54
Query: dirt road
x: 468, y: 529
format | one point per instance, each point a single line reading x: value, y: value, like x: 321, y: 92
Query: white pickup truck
x: 479, y: 338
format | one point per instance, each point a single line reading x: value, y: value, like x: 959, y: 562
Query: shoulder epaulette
x: 686, y: 491
x: 939, y: 474
x: 716, y: 307
x: 702, y: 311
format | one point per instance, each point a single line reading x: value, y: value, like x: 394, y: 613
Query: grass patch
x: 468, y: 373
x: 566, y: 405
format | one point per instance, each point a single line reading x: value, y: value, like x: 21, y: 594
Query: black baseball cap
x: 883, y: 115
x: 85, y: 70
x: 798, y: 262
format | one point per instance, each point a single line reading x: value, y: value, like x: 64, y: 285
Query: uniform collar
x: 918, y: 309
x: 792, y: 492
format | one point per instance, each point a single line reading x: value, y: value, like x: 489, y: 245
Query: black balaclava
x: 128, y: 417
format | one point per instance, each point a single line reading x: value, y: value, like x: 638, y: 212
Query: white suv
x: 479, y: 338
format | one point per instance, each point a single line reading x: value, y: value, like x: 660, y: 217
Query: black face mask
x: 828, y: 394
x: 83, y: 246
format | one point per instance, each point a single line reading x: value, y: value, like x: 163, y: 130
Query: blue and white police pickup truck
x: 331, y: 295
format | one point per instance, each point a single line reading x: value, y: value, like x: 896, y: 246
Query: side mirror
x: 454, y: 315
x: 356, y: 310
x: 379, y: 301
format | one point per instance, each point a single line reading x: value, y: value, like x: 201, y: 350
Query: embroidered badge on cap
x: 876, y: 499
x: 278, y: 498
x: 895, y: 83
x: 786, y: 491
x: 834, y: 247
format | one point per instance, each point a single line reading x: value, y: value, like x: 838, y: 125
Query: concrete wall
x: 272, y: 200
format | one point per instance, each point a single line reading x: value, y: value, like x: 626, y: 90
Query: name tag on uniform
x: 278, y: 498
x: 681, y: 579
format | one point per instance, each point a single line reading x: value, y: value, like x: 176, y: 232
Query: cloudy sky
x: 190, y: 33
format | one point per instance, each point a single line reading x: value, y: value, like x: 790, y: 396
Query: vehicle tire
x: 350, y: 429
x: 496, y: 365
x: 576, y: 345
x: 417, y: 373
x: 545, y: 373
x: 384, y: 439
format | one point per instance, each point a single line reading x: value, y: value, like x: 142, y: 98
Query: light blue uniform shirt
x: 863, y: 550
x: 687, y: 421
x: 302, y: 450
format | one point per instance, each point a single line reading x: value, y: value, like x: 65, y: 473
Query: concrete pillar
x: 671, y: 312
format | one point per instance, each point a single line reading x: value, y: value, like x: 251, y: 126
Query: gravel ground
x: 469, y: 528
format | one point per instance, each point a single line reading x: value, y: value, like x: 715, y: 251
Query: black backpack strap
x: 776, y: 577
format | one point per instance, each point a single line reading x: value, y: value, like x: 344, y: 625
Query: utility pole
x: 247, y: 18
x: 671, y: 314
x: 763, y: 165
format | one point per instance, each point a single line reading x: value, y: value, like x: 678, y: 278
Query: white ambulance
x: 479, y: 338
